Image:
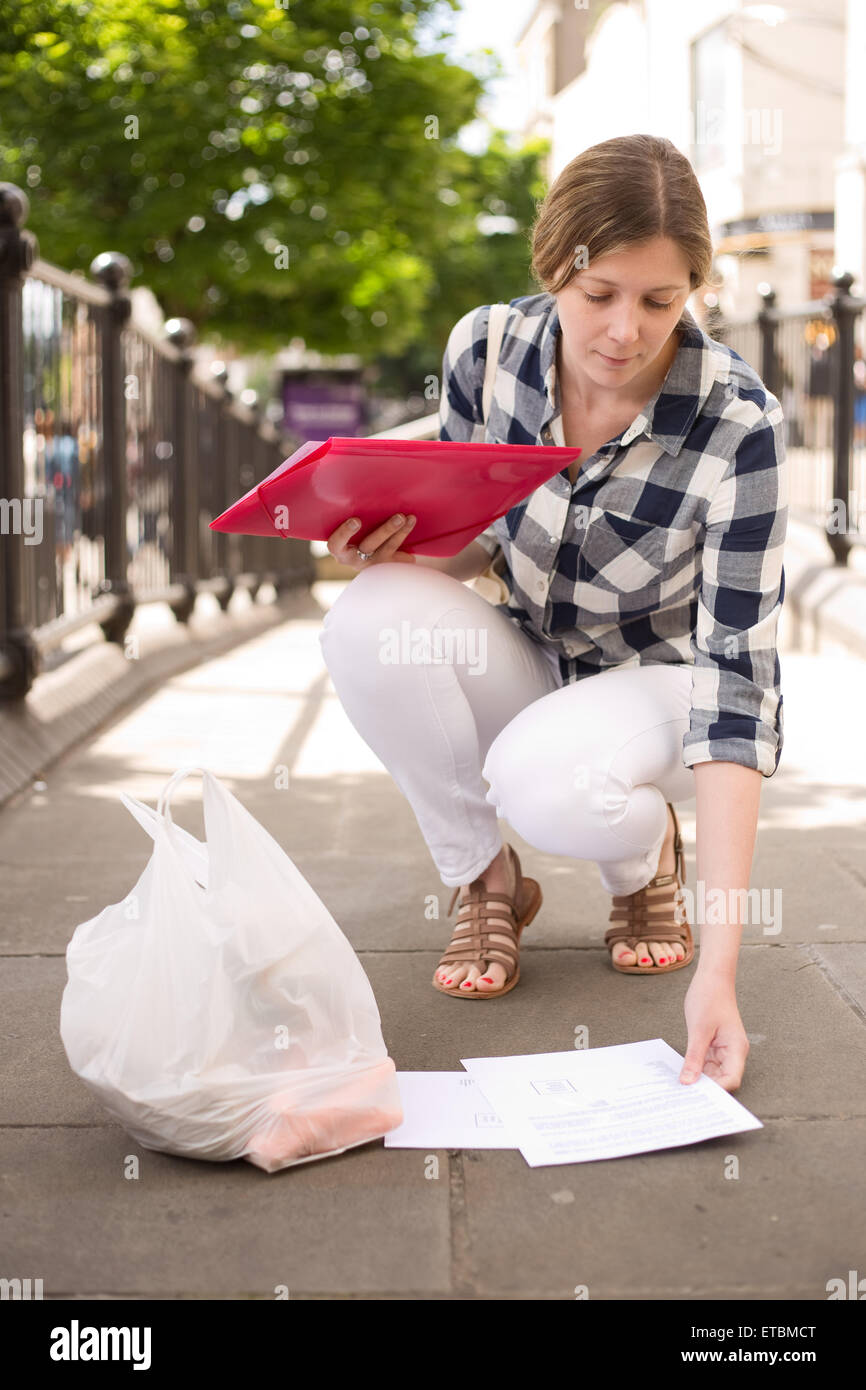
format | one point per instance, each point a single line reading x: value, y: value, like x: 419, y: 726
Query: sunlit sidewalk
x: 374, y: 1223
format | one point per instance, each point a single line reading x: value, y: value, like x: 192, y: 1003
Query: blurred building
x: 851, y: 163
x: 767, y: 102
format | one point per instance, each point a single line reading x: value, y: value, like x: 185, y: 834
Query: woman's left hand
x: 718, y: 1045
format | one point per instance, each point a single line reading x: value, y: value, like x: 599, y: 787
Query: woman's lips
x: 615, y: 361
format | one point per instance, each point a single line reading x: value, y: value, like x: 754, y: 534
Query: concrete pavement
x: 369, y: 1224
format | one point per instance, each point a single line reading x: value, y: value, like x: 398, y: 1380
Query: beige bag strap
x: 495, y: 330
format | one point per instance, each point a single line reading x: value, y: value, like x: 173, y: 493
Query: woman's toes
x: 660, y: 952
x: 678, y: 950
x: 493, y: 978
x: 496, y: 969
x: 468, y: 984
x: 643, y: 956
x: 454, y: 977
x: 623, y: 954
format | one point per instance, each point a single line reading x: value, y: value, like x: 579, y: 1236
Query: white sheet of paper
x: 445, y: 1110
x: 604, y: 1102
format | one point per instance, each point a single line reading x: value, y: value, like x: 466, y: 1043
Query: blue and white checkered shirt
x: 668, y: 548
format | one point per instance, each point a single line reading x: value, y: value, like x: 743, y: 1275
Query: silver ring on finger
x: 363, y: 556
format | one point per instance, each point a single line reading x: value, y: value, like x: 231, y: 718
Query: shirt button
x: 546, y: 433
x: 540, y: 586
x: 552, y: 540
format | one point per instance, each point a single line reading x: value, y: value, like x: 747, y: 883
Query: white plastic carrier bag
x: 218, y: 1011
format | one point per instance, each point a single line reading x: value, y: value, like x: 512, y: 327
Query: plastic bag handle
x: 163, y: 805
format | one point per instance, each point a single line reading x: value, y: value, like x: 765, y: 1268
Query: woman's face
x: 618, y: 313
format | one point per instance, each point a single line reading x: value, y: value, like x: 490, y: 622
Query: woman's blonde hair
x: 617, y: 194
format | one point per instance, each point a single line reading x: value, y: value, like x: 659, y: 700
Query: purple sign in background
x: 316, y: 412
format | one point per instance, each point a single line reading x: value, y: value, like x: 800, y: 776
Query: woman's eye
x: 599, y: 299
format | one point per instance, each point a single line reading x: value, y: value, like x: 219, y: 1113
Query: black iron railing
x: 813, y: 358
x: 114, y: 457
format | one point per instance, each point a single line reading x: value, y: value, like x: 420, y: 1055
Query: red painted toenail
x: 644, y: 960
x: 448, y: 982
x: 487, y: 980
x: 467, y: 984
x: 662, y: 960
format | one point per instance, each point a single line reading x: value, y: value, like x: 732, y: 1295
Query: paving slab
x: 382, y: 900
x: 808, y: 1046
x: 87, y: 680
x: 37, y: 1085
x: 366, y: 1221
x: 392, y: 900
x: 43, y: 903
x: 676, y: 1224
x: 845, y: 966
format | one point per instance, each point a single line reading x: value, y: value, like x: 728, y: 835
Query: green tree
x: 271, y: 169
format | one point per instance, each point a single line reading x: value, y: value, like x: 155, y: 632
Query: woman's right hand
x: 381, y: 544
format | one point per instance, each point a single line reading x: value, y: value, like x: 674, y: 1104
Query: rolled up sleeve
x: 460, y: 402
x: 736, y: 705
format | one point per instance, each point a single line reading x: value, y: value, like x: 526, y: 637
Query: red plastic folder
x: 455, y: 490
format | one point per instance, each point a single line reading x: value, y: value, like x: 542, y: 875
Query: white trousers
x: 469, y: 716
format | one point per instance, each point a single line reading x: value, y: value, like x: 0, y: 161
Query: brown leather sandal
x: 499, y: 910
x: 650, y: 914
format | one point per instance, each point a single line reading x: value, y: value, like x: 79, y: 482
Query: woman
x: 634, y: 663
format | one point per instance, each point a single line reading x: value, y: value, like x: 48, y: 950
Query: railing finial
x: 14, y: 205
x: 767, y: 294
x: 18, y: 247
x: 181, y: 332
x: 112, y: 269
x: 842, y: 279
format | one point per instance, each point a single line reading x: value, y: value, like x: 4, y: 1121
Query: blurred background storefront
x: 766, y: 101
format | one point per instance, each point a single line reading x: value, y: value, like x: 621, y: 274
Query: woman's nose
x: 623, y: 328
